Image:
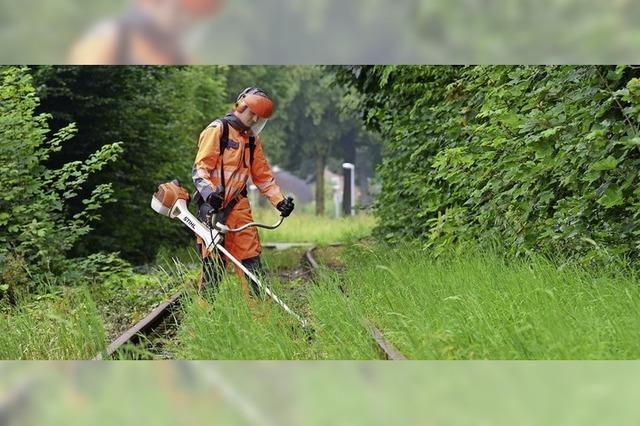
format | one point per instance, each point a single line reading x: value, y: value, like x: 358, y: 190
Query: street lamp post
x: 349, y: 197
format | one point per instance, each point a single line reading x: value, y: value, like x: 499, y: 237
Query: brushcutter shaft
x: 262, y: 286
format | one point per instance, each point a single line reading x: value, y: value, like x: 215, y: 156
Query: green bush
x: 532, y: 158
x: 35, y: 232
x: 157, y: 113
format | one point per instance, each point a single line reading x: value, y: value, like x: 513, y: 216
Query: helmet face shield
x: 259, y: 126
x: 259, y: 104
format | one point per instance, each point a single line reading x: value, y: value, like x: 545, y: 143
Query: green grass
x: 480, y: 306
x: 471, y: 306
x: 227, y: 328
x: 339, y: 330
x: 56, y: 326
x: 476, y: 306
x: 274, y: 260
x: 306, y: 227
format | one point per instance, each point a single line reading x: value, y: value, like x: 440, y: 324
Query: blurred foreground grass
x: 294, y: 393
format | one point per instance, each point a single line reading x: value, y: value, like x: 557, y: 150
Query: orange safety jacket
x: 237, y: 170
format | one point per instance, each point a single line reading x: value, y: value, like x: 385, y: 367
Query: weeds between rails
x: 300, y: 272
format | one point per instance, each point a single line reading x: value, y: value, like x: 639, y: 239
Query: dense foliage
x: 36, y: 229
x: 157, y: 113
x: 528, y: 157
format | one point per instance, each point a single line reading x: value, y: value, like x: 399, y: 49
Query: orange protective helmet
x: 257, y: 101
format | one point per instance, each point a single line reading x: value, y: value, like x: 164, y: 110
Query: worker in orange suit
x: 150, y: 32
x: 229, y: 153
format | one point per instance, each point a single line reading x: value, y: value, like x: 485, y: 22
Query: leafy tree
x: 157, y: 112
x: 315, y: 126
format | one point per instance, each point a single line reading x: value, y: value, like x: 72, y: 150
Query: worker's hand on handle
x: 211, y: 206
x: 216, y: 198
x: 285, y: 207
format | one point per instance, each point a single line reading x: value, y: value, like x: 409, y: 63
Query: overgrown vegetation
x: 535, y: 158
x: 64, y: 324
x: 37, y: 231
x: 481, y: 306
x: 475, y: 306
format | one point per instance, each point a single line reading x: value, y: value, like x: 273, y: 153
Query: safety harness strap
x: 252, y: 147
x: 224, y: 142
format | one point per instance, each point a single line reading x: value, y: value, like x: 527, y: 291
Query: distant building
x: 290, y: 185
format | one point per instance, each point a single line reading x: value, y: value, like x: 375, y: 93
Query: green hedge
x: 532, y: 158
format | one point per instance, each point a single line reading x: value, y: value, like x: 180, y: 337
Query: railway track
x: 388, y: 350
x: 144, y: 327
x: 158, y: 316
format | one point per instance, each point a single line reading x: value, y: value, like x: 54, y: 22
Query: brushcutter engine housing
x: 171, y: 200
x: 166, y: 197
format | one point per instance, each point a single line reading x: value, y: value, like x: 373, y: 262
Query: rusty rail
x: 143, y: 327
x: 146, y: 325
x: 390, y: 351
x: 387, y: 348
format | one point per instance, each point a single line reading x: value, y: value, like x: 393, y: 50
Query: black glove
x: 211, y: 206
x: 215, y: 199
x: 285, y: 207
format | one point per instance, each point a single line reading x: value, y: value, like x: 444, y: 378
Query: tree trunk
x: 320, y: 164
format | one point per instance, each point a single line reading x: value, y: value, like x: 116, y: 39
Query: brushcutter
x: 171, y: 200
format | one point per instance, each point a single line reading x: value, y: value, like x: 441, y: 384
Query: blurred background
x: 346, y: 393
x: 318, y: 31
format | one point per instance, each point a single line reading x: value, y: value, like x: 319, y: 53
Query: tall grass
x: 230, y: 327
x: 56, y: 326
x: 306, y: 227
x: 340, y: 332
x: 482, y: 307
x: 473, y: 306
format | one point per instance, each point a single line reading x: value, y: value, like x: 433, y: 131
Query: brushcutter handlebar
x: 224, y: 228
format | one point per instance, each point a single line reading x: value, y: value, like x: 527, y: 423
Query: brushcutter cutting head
x: 167, y: 195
